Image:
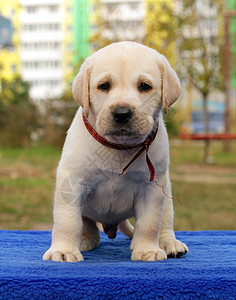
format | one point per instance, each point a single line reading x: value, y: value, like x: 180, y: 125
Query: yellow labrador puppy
x: 114, y: 163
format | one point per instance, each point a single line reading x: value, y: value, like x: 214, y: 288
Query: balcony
x: 30, y: 37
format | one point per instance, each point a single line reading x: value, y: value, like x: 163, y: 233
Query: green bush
x: 18, y: 114
x: 21, y: 118
x: 56, y: 119
x: 172, y: 126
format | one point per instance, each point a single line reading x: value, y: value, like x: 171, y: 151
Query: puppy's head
x: 123, y: 86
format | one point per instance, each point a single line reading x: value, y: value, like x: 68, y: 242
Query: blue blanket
x: 207, y: 271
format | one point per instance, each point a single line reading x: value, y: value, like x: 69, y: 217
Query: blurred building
x: 6, y: 32
x: 113, y: 21
x: 44, y: 41
x: 51, y: 38
x: 54, y: 41
x: 123, y: 19
x: 9, y: 32
x: 55, y: 37
x: 42, y: 46
x: 7, y: 51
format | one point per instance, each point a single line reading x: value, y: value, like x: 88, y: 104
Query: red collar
x: 143, y: 146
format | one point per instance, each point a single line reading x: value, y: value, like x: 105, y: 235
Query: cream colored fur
x: 88, y: 187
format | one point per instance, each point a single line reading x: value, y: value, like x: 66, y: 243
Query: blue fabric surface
x: 207, y: 271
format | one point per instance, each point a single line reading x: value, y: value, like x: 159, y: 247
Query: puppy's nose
x: 122, y: 115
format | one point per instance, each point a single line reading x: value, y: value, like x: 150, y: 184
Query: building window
x: 134, y: 6
x: 53, y: 8
x: 41, y: 27
x: 42, y: 65
x: 56, y: 45
x: 111, y: 7
x: 56, y: 27
x: 31, y: 9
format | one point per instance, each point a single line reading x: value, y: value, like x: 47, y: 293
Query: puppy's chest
x: 104, y: 161
x: 109, y: 197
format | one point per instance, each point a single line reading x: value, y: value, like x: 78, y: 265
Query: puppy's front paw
x: 149, y: 255
x: 173, y: 247
x: 63, y: 255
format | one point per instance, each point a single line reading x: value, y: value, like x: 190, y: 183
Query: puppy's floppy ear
x: 81, y: 88
x: 170, y: 84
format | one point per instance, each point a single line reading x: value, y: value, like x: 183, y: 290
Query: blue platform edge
x: 208, y: 271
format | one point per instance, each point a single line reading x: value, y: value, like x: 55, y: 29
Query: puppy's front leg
x: 148, y: 212
x: 68, y: 225
x: 167, y: 240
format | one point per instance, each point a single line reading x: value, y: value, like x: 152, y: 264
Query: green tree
x: 200, y: 46
x: 97, y: 39
x: 160, y: 27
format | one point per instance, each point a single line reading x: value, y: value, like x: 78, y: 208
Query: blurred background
x: 42, y: 45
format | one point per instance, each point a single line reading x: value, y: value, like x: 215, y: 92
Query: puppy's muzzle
x: 122, y: 114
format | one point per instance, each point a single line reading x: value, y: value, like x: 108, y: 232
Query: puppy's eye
x: 144, y: 87
x: 105, y: 86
